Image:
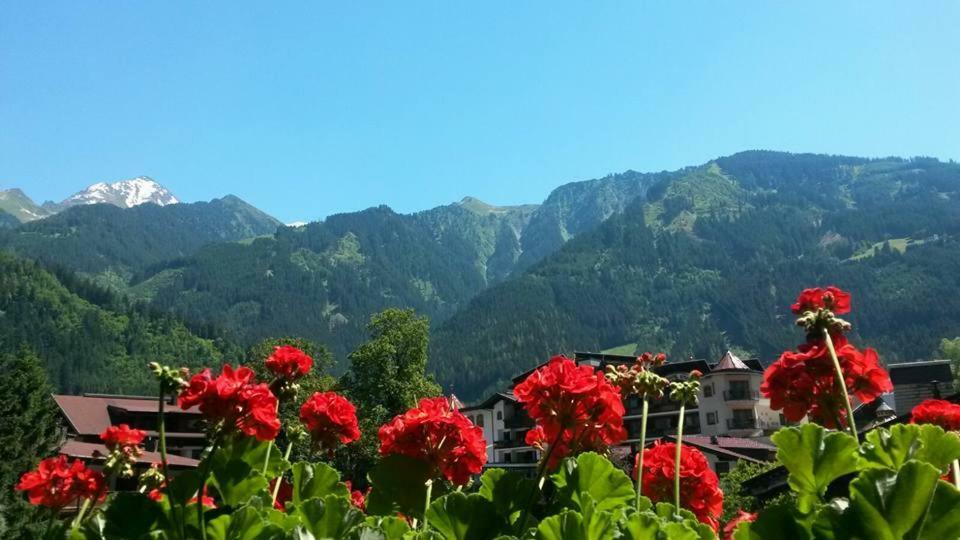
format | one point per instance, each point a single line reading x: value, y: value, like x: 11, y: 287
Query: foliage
x: 386, y: 377
x: 731, y: 483
x: 29, y: 430
x: 85, y: 347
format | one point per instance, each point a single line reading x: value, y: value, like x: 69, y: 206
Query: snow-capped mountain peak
x: 125, y: 194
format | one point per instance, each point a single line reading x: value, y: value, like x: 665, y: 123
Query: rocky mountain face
x: 123, y: 194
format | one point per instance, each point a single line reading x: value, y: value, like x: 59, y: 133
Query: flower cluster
x: 208, y: 502
x: 440, y: 435
x: 124, y: 446
x: 576, y: 408
x: 640, y: 379
x: 330, y: 419
x: 938, y: 412
x: 233, y: 401
x: 804, y: 383
x: 699, y: 486
x: 289, y: 363
x: 56, y: 483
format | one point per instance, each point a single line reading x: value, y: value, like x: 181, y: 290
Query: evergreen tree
x: 29, y: 430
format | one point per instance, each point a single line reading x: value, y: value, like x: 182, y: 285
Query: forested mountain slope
x: 712, y: 258
x: 86, y: 347
x: 114, y: 244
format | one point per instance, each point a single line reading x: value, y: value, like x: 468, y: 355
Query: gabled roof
x: 90, y: 414
x: 730, y: 362
x: 84, y: 450
x: 727, y: 448
x: 490, y: 401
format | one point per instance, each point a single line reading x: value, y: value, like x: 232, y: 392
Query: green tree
x: 386, y: 377
x: 29, y: 430
x: 950, y: 349
x: 732, y: 485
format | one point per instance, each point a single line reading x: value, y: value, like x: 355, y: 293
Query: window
x: 499, y: 415
x: 708, y: 390
x: 711, y: 418
x: 480, y: 420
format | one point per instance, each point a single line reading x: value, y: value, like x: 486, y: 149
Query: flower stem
x: 643, y: 445
x: 676, y: 461
x: 79, y: 519
x: 851, y: 424
x: 426, y: 505
x: 956, y: 473
x: 203, y: 485
x: 541, y: 470
x: 162, y: 435
x: 276, y: 486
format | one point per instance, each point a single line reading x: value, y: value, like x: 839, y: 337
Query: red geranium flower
x: 357, y: 497
x: 804, y: 382
x: 442, y: 436
x: 731, y: 526
x: 574, y: 406
x: 233, y: 398
x: 330, y: 418
x: 831, y: 298
x: 284, y: 494
x: 122, y: 437
x: 56, y: 483
x: 699, y: 486
x: 937, y: 412
x: 289, y: 362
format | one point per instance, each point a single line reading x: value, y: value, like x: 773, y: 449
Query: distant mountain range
x: 691, y: 262
x: 124, y: 194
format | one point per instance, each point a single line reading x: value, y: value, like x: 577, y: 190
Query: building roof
x: 490, y: 401
x: 89, y: 414
x: 730, y: 362
x: 920, y: 372
x: 84, y: 450
x: 706, y: 444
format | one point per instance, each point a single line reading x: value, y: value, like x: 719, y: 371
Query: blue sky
x: 307, y: 109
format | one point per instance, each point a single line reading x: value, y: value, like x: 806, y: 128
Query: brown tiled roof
x: 725, y: 445
x: 84, y: 450
x: 89, y: 415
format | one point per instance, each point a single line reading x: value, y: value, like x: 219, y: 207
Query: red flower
x: 574, y: 406
x: 330, y: 418
x: 699, y: 486
x: 232, y: 398
x: 288, y: 362
x: 938, y: 412
x: 56, y: 483
x: 122, y: 437
x: 731, y: 526
x: 831, y: 298
x: 804, y: 382
x: 357, y: 498
x: 284, y: 494
x: 442, y: 436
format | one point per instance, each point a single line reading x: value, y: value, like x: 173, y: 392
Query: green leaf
x: 254, y: 452
x: 780, y: 522
x: 311, y: 480
x: 593, y: 475
x: 640, y: 526
x: 183, y: 487
x: 465, y: 517
x: 243, y: 524
x: 131, y: 515
x: 943, y: 516
x: 328, y: 517
x: 567, y: 525
x: 892, y: 448
x: 890, y: 505
x: 815, y: 458
x: 399, y: 485
x: 235, y: 480
x: 380, y: 528
x: 508, y: 492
